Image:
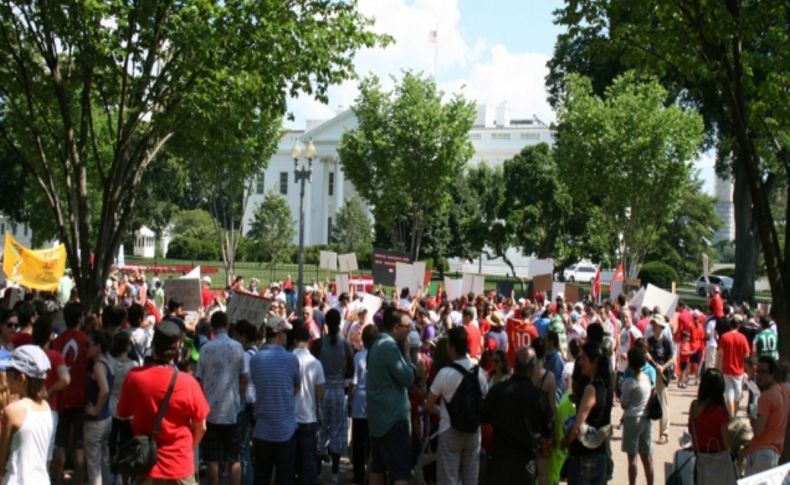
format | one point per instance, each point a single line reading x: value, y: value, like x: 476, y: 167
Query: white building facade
x: 725, y: 209
x: 494, y: 136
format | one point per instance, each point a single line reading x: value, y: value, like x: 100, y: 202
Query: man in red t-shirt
x: 716, y: 304
x: 206, y: 296
x: 73, y: 346
x: 184, y: 423
x: 733, y: 350
x: 520, y: 334
x: 474, y: 339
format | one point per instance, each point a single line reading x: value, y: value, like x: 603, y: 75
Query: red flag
x: 595, y: 292
x: 619, y: 275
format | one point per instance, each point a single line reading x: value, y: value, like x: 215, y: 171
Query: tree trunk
x: 747, y: 240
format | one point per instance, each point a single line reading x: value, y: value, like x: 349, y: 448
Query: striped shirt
x: 275, y: 375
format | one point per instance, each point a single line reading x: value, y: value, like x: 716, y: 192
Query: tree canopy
x: 272, y: 229
x: 352, y: 229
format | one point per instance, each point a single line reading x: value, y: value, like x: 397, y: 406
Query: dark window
x: 329, y: 230
x: 284, y: 183
x: 259, y: 183
x: 331, y: 184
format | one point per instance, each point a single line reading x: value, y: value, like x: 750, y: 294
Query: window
x: 284, y: 183
x: 329, y: 230
x: 500, y: 136
x: 259, y: 183
x: 476, y: 136
x: 331, y: 185
x: 530, y: 136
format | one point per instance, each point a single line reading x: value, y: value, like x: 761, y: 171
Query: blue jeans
x: 306, y: 443
x: 587, y: 469
x: 277, y: 457
x: 245, y: 446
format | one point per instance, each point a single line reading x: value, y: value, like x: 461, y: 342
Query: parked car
x: 582, y: 272
x: 723, y: 282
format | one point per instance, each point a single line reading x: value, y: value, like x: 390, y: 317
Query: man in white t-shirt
x: 306, y: 404
x: 628, y: 336
x: 458, y: 453
x: 712, y: 343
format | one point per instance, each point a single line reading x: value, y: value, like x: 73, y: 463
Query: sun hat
x: 206, y: 279
x: 496, y: 319
x: 29, y: 360
x: 659, y: 320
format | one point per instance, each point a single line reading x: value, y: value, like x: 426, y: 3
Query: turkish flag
x: 596, y: 286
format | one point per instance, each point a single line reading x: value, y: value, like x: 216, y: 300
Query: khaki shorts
x: 733, y: 388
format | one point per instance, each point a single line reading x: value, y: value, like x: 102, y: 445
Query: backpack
x: 465, y: 408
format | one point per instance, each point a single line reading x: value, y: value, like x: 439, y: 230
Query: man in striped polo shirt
x: 276, y: 377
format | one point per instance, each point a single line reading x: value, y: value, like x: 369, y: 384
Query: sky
x: 491, y: 51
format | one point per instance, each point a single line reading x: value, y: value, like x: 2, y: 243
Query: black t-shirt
x: 749, y: 332
x: 600, y: 415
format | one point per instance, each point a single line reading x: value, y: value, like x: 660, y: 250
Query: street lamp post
x: 302, y: 175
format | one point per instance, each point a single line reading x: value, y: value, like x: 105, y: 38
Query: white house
x: 495, y: 137
x: 144, y: 243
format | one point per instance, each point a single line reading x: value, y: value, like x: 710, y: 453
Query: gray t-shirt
x: 636, y: 393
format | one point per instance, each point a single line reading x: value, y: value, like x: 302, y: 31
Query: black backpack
x: 465, y: 408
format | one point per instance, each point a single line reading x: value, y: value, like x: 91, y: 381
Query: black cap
x: 167, y: 334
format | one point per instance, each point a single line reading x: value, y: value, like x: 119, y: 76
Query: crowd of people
x: 487, y: 388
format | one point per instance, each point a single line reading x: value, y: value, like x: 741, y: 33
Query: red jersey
x: 73, y: 346
x: 519, y: 334
x: 142, y: 393
x: 734, y: 349
x: 686, y: 349
x: 642, y: 324
x: 685, y: 324
x: 474, y: 341
x: 21, y: 339
x: 206, y: 297
x: 716, y: 306
x: 55, y: 361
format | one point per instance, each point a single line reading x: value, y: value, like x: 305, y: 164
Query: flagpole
x: 436, y: 54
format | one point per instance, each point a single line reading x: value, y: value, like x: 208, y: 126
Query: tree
x: 729, y: 58
x: 408, y: 148
x: 628, y: 157
x: 91, y: 92
x: 272, y: 229
x: 352, y: 229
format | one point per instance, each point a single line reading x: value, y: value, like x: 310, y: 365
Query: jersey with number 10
x: 766, y: 343
x: 519, y: 334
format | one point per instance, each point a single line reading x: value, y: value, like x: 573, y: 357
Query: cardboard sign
x: 347, y: 262
x: 537, y: 267
x: 372, y: 304
x: 342, y: 284
x: 636, y: 301
x: 185, y: 290
x: 542, y: 282
x: 664, y: 300
x: 505, y: 288
x: 453, y: 287
x: 556, y: 289
x: 248, y: 307
x: 474, y: 283
x: 328, y: 260
x: 384, y: 265
x: 572, y: 293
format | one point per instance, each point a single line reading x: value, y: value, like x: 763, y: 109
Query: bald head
x: 525, y: 358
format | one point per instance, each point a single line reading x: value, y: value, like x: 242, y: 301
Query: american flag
x: 432, y: 36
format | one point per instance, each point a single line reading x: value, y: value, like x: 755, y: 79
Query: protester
x: 223, y: 373
x: 766, y: 342
x: 390, y: 373
x: 184, y: 423
x: 311, y: 394
x: 98, y: 420
x: 120, y: 429
x: 554, y: 363
x: 360, y: 437
x: 499, y: 368
x: 733, y: 350
x: 518, y: 411
x: 637, y: 428
x: 660, y: 353
x: 773, y: 409
x: 708, y: 418
x: 275, y: 373
x: 454, y: 396
x: 27, y: 422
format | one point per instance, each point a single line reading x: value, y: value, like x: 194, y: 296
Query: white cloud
x: 488, y: 75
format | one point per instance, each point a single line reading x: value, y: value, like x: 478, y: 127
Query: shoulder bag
x: 137, y: 456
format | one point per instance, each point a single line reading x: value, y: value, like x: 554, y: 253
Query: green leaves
x: 272, y: 230
x: 352, y: 229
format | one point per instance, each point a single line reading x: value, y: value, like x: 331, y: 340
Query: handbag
x: 137, y: 456
x: 654, y: 411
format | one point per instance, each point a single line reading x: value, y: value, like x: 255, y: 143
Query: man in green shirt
x: 766, y: 342
x: 390, y: 373
x: 159, y: 296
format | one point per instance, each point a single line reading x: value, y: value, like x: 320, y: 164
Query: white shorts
x: 733, y: 388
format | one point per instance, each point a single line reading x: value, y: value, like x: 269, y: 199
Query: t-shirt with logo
x: 519, y: 334
x: 55, y: 361
x: 73, y: 346
x: 766, y: 343
x: 734, y: 349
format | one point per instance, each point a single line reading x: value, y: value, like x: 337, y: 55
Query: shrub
x: 658, y: 273
x: 185, y: 247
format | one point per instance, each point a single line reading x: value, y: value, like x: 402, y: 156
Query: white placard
x: 408, y: 276
x: 372, y: 304
x: 664, y: 300
x: 537, y: 267
x: 341, y: 283
x: 248, y: 307
x: 706, y: 269
x: 185, y: 290
x: 474, y: 283
x: 557, y: 287
x: 347, y: 262
x: 328, y: 260
x: 453, y: 287
x: 195, y: 273
x: 615, y: 289
x: 637, y: 300
x: 779, y: 475
x: 418, y: 272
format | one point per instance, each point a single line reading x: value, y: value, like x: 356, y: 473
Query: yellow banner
x: 36, y: 269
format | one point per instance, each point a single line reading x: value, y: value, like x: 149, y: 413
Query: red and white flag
x: 595, y: 291
x: 433, y: 36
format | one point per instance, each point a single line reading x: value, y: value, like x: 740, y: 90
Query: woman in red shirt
x: 708, y: 418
